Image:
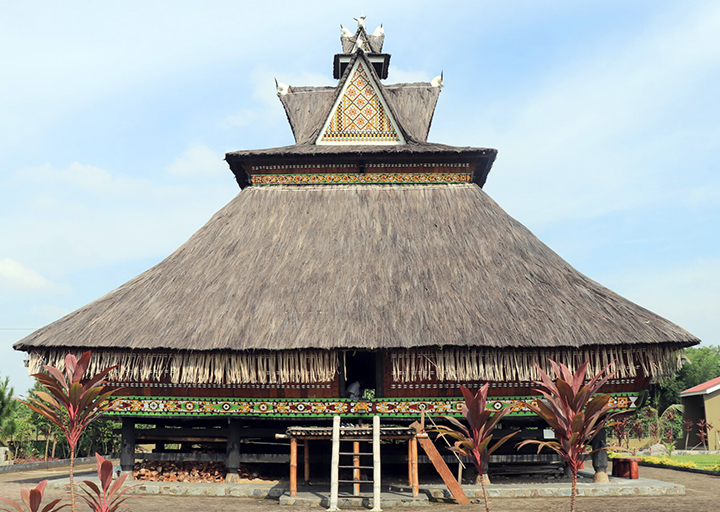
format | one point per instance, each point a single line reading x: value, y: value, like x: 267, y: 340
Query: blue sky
x: 114, y: 118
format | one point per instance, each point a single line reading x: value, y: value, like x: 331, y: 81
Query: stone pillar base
x: 601, y: 478
x: 232, y: 478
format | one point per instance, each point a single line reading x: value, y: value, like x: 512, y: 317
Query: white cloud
x: 16, y: 277
x: 78, y: 176
x: 686, y: 294
x: 49, y: 312
x: 198, y: 160
x: 598, y: 135
x: 88, y: 216
x: 397, y: 75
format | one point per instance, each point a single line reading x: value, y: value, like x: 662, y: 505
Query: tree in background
x: 8, y: 408
x: 701, y: 365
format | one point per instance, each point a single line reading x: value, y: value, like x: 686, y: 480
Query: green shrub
x: 667, y: 461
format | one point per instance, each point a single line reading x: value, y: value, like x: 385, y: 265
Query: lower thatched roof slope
x: 360, y: 266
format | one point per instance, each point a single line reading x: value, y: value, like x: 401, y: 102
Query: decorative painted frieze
x: 359, y: 178
x: 322, y: 408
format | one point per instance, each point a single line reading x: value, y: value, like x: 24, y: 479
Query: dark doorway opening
x: 365, y: 368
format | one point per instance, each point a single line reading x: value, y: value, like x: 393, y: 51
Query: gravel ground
x: 702, y: 495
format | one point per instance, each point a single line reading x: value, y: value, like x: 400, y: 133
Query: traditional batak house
x: 362, y: 253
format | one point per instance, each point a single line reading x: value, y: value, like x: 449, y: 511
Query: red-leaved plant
x: 703, y: 429
x: 574, y: 411
x: 32, y: 500
x: 688, y: 426
x: 71, y: 402
x: 110, y: 495
x: 474, y: 440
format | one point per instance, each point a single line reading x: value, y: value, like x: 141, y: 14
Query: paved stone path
x: 702, y: 495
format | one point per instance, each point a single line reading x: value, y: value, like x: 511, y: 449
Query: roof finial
x: 344, y: 32
x: 282, y: 89
x: 361, y: 20
x: 379, y: 31
x: 438, y: 80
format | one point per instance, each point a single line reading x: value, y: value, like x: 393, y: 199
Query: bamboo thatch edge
x: 448, y: 364
x: 303, y: 367
x: 498, y: 365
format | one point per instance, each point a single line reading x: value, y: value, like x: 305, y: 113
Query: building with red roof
x: 703, y: 402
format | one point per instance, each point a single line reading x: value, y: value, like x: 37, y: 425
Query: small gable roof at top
x: 373, y: 43
x: 411, y: 106
x: 703, y: 389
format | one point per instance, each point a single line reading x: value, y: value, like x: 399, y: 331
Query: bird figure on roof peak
x: 345, y: 32
x: 361, y: 21
x: 438, y: 81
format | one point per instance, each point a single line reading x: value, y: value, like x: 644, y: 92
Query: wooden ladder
x: 356, y: 454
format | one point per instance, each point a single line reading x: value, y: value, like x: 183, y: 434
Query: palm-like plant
x: 474, y: 440
x: 32, y: 499
x: 109, y: 496
x: 71, y: 402
x: 574, y: 411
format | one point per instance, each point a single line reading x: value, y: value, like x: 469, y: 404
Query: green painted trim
x: 319, y: 407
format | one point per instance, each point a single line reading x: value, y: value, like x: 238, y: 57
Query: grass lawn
x: 701, y: 460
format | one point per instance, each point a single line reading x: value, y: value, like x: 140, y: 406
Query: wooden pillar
x: 306, y: 457
x: 232, y: 451
x: 127, y: 449
x: 410, y: 466
x: 334, y: 468
x: 600, y: 458
x: 293, y: 466
x: 414, y: 464
x: 376, y: 465
x: 356, y: 470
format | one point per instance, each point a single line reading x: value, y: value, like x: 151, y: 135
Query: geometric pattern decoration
x: 174, y: 407
x: 372, y: 178
x: 360, y: 115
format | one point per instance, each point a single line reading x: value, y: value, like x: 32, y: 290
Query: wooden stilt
x: 414, y: 463
x: 334, y: 469
x: 442, y: 469
x: 306, y: 457
x: 410, y: 470
x: 293, y: 466
x: 376, y: 465
x: 356, y: 464
x: 127, y: 449
x: 232, y: 452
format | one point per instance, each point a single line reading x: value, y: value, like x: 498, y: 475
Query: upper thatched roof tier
x: 413, y: 105
x: 393, y: 266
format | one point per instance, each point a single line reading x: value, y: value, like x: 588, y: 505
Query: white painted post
x: 335, y: 465
x: 376, y: 464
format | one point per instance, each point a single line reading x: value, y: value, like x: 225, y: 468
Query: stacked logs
x: 169, y: 471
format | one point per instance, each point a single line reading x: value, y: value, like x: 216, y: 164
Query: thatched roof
x: 393, y: 266
x: 413, y: 105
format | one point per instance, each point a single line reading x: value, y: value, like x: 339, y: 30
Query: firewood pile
x: 168, y: 471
